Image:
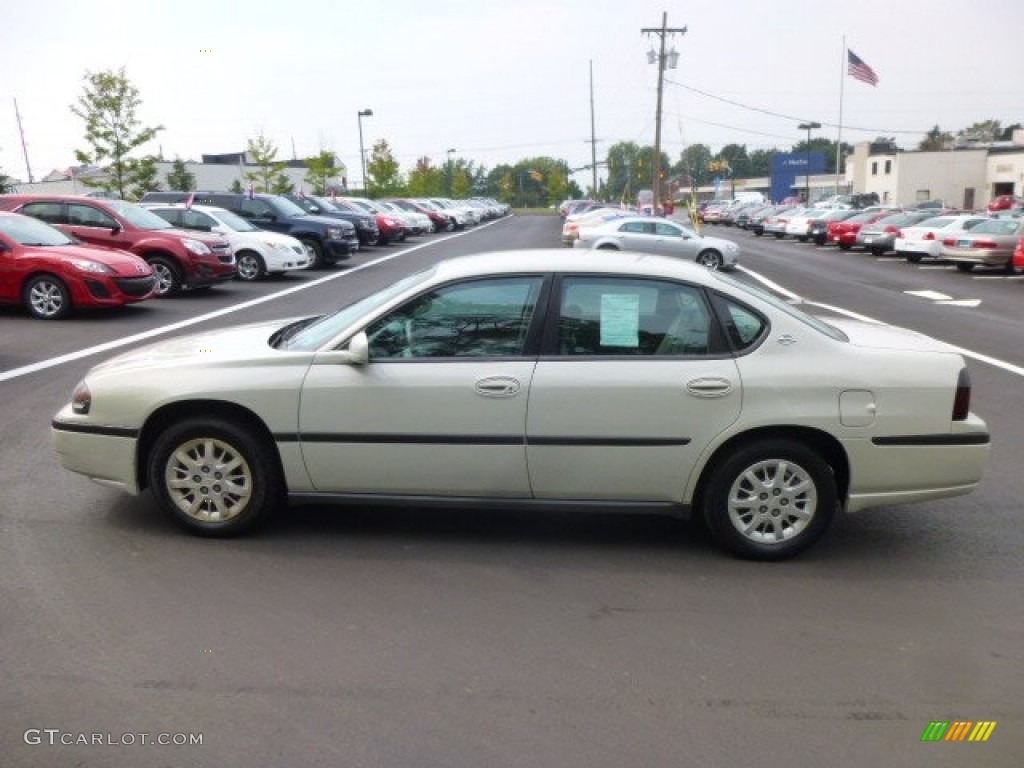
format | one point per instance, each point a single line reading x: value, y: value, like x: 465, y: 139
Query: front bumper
x: 105, y: 455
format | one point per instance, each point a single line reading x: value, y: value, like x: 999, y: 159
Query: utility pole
x: 593, y: 137
x: 24, y: 148
x: 662, y: 32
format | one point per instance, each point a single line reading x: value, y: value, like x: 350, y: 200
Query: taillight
x: 929, y: 236
x: 892, y: 229
x: 984, y: 244
x: 949, y: 241
x: 962, y: 400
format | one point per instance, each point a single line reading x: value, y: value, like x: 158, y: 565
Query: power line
x: 788, y: 117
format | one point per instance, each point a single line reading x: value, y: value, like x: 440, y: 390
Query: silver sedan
x: 653, y: 235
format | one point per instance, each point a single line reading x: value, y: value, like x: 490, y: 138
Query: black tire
x: 845, y: 246
x: 1010, y: 269
x: 877, y: 251
x: 802, y: 238
x: 779, y: 235
x: 222, y: 503
x: 820, y: 240
x: 318, y: 253
x: 964, y: 266
x: 168, y: 275
x: 760, y: 512
x: 711, y: 259
x: 607, y: 247
x: 913, y: 258
x: 758, y: 232
x: 46, y: 297
x: 251, y: 266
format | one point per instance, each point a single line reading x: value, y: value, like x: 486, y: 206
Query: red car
x: 1018, y: 255
x: 1005, y: 202
x: 844, y: 233
x: 50, y: 274
x: 179, y: 257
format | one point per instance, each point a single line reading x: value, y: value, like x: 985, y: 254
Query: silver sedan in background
x: 653, y: 235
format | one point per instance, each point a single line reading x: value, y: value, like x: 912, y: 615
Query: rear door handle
x: 709, y: 386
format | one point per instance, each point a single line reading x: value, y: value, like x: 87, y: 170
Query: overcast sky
x: 502, y: 80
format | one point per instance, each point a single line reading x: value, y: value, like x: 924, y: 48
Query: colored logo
x: 958, y: 730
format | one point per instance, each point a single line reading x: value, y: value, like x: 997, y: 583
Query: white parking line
x: 1002, y: 364
x: 124, y: 341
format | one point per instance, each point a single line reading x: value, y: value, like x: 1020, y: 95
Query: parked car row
x: 60, y: 252
x: 967, y: 239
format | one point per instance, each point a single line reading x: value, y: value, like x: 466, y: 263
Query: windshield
x: 25, y: 230
x: 784, y: 306
x: 137, y: 216
x: 236, y: 222
x: 325, y: 204
x: 317, y: 334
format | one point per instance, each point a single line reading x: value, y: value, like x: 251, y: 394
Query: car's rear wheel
x: 770, y: 500
x: 820, y: 240
x: 912, y: 257
x: 215, y: 477
x: 845, y: 246
x: 250, y: 266
x: 877, y: 251
x: 710, y: 259
x: 47, y: 298
x: 779, y: 235
x: 802, y: 238
x: 964, y: 266
x: 607, y: 247
x: 168, y: 276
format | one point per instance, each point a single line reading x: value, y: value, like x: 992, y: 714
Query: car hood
x: 880, y: 336
x: 122, y: 262
x: 243, y: 342
x: 717, y: 242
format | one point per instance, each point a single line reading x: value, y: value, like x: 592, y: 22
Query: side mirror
x: 116, y: 229
x: 358, y: 352
x: 4, y: 247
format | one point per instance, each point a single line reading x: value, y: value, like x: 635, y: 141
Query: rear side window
x: 49, y: 212
x: 742, y: 326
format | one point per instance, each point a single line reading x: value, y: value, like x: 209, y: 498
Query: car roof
x: 576, y: 260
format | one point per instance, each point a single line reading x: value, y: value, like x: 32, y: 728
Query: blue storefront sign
x: 786, y: 168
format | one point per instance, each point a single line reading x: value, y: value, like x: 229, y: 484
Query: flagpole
x: 839, y: 136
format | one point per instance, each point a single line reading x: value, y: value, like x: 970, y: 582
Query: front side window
x: 603, y: 316
x: 483, y: 318
x: 197, y: 220
x: 667, y: 230
x: 86, y: 216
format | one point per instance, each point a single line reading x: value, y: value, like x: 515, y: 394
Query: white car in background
x: 257, y: 251
x: 541, y: 379
x: 799, y: 223
x: 924, y: 239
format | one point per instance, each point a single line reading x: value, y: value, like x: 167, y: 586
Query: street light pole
x: 362, y: 152
x: 807, y: 177
x: 451, y: 181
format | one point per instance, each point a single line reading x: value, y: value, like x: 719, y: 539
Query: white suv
x: 257, y: 251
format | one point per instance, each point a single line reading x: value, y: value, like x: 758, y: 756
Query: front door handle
x: 498, y: 386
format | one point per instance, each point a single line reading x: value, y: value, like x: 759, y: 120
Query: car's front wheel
x: 710, y: 259
x: 965, y: 266
x: 770, y: 500
x: 168, y: 276
x: 215, y: 477
x: 316, y: 251
x: 250, y: 266
x: 47, y: 298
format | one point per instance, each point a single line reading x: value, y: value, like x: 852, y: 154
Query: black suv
x: 365, y: 224
x: 330, y: 240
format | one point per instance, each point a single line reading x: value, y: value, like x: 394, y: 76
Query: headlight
x: 391, y: 222
x: 199, y: 249
x: 275, y: 246
x: 92, y: 266
x: 81, y: 398
x: 335, y: 233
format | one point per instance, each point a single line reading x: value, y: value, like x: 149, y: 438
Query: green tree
x: 146, y: 177
x: 236, y: 187
x: 1007, y: 134
x: 425, y: 180
x: 180, y: 178
x: 263, y: 154
x: 108, y: 105
x: 936, y: 139
x: 693, y: 162
x: 322, y: 169
x: 736, y: 157
x: 281, y: 184
x: 761, y: 163
x: 985, y: 130
x: 6, y: 183
x: 383, y: 171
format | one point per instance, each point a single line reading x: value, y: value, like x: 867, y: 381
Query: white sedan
x: 925, y: 238
x: 655, y: 235
x: 539, y: 378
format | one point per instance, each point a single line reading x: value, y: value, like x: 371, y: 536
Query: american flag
x: 251, y: 191
x: 860, y: 70
x: 190, y: 200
